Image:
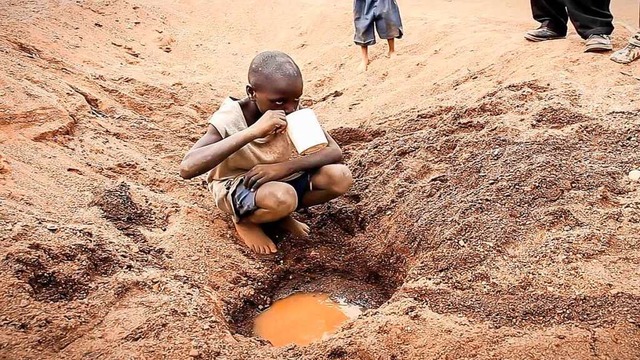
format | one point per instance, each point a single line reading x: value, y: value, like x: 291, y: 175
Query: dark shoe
x: 598, y: 43
x: 543, y: 33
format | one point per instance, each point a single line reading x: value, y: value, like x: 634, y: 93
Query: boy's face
x: 280, y: 93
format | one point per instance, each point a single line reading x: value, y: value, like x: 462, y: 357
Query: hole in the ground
x: 310, y: 306
x: 334, y: 274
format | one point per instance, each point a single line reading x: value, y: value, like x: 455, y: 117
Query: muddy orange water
x: 302, y: 318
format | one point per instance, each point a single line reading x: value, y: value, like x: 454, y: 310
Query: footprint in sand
x: 164, y: 42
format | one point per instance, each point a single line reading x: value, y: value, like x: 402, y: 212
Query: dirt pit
x: 319, y: 265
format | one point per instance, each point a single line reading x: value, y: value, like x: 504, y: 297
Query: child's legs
x: 271, y: 202
x: 365, y: 37
x: 388, y: 21
x: 365, y: 54
x: 274, y: 201
x: 363, y: 15
x: 328, y: 182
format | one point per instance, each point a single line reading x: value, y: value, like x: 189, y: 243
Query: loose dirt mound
x: 491, y: 215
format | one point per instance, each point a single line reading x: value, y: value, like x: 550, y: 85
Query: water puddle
x: 302, y: 319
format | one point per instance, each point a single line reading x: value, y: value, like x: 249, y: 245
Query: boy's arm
x: 212, y: 149
x: 262, y: 174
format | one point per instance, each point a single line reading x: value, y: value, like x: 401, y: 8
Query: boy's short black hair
x: 269, y: 64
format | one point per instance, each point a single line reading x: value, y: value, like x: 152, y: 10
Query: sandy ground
x: 491, y: 216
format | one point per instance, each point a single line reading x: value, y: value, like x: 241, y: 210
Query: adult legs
x: 590, y: 17
x: 551, y: 14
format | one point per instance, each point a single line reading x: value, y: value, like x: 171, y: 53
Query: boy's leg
x: 274, y: 201
x: 363, y: 20
x: 365, y: 58
x: 389, y: 23
x: 392, y: 47
x: 329, y: 182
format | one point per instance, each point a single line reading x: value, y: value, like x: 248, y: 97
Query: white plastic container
x: 305, y: 132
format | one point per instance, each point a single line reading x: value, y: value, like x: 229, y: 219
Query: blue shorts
x: 244, y: 200
x: 384, y: 14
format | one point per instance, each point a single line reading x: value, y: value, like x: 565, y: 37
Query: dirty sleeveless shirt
x: 224, y: 178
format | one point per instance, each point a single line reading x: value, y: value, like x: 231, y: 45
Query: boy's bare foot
x: 255, y: 238
x: 391, y: 54
x: 295, y: 227
x: 363, y: 66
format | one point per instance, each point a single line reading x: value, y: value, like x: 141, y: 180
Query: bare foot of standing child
x: 364, y: 65
x: 392, y: 48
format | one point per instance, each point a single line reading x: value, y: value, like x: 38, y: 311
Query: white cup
x: 305, y: 132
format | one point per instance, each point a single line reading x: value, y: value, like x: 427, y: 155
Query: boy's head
x: 275, y: 82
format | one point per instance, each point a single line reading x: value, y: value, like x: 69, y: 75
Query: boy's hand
x: 261, y: 174
x: 273, y: 121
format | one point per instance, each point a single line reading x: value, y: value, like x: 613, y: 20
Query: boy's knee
x: 279, y: 197
x: 340, y: 178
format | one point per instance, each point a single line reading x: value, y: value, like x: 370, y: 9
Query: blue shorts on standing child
x: 384, y: 14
